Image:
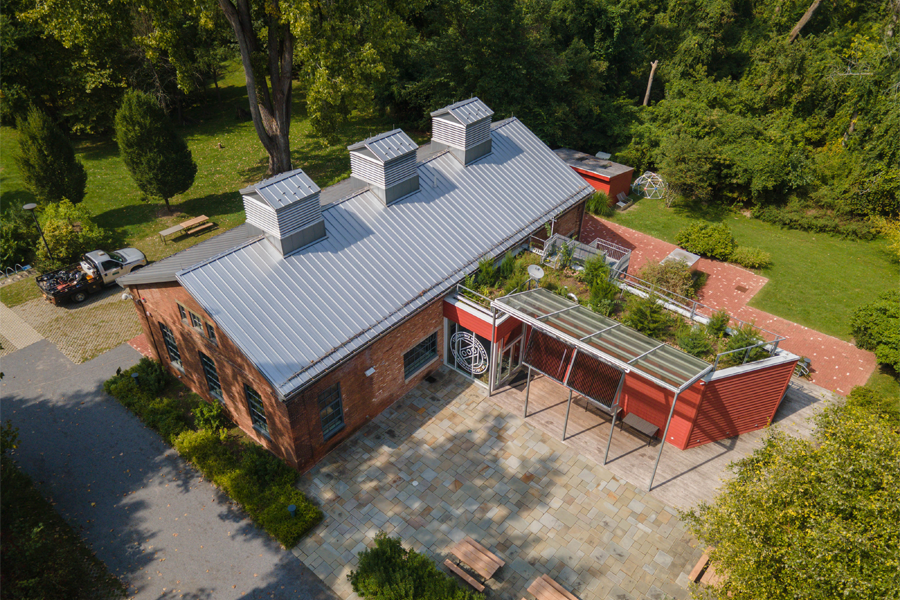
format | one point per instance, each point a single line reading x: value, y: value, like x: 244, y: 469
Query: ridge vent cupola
x: 286, y: 208
x: 387, y: 162
x: 464, y: 128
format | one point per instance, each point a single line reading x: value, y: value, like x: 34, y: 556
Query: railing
x: 473, y: 297
x: 614, y: 251
x: 17, y: 269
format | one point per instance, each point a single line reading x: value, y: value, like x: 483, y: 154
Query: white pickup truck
x: 96, y: 270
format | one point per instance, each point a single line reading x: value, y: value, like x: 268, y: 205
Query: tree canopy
x: 810, y: 518
x: 47, y: 160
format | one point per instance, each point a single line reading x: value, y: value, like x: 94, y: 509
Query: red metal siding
x: 652, y: 403
x: 739, y: 404
x: 479, y: 326
x: 611, y: 185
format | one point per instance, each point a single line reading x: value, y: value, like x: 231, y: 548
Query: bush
x: 648, y: 316
x: 714, y: 241
x: 259, y: 481
x: 694, y: 341
x: 18, y: 236
x: 876, y: 326
x: 487, y: 273
x: 70, y: 232
x: 806, y: 217
x: 671, y: 276
x: 508, y: 265
x: 718, y: 323
x: 599, y: 204
x: 744, y: 336
x: 751, y: 258
x: 885, y: 406
x: 390, y: 572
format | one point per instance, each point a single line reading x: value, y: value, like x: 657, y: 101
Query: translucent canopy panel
x: 603, y: 336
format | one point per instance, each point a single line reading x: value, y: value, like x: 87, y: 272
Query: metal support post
x: 492, y: 370
x: 615, y: 414
x: 527, y: 389
x: 663, y: 443
x: 566, y: 423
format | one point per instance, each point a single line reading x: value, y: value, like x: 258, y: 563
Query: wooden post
x: 803, y: 20
x: 650, y: 82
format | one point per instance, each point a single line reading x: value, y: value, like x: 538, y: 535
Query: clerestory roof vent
x: 387, y: 162
x: 286, y: 208
x: 464, y: 128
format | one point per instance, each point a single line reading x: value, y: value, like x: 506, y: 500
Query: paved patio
x: 444, y: 463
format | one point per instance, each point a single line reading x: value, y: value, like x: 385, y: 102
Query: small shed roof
x: 592, y: 164
x: 282, y: 189
x: 466, y: 111
x: 385, y: 146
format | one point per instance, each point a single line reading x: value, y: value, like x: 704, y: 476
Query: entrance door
x: 510, y: 359
x: 468, y: 352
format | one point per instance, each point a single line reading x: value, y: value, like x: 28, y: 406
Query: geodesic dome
x: 650, y: 185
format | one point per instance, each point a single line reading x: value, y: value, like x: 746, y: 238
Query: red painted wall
x: 612, y: 185
x: 739, y: 404
x: 479, y: 326
x: 652, y: 403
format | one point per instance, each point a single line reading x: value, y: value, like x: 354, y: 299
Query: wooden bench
x: 640, y: 425
x: 544, y: 588
x: 477, y: 558
x: 463, y: 575
x: 200, y: 228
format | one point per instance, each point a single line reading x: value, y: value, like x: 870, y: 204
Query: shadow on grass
x: 13, y: 196
x: 693, y: 209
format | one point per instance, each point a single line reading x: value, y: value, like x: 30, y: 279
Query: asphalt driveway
x: 155, y: 522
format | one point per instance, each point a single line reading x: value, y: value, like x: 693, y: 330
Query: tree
x: 876, y: 327
x: 47, y: 160
x: 70, y: 231
x: 157, y: 158
x: 810, y: 518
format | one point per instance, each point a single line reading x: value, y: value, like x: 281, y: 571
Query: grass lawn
x: 815, y: 279
x: 116, y: 203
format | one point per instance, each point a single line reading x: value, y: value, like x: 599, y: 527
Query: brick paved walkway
x: 443, y: 463
x: 837, y: 365
x: 82, y: 331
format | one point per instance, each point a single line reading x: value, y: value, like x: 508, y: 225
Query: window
x: 110, y: 265
x: 257, y: 412
x: 171, y: 346
x: 331, y: 411
x: 211, y: 333
x: 212, y: 376
x: 196, y: 323
x: 419, y: 355
x: 182, y: 313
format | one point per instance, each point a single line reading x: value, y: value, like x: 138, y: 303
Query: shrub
x: 18, y: 236
x: 67, y: 242
x: 47, y: 160
x: 714, y: 241
x: 152, y: 376
x: 508, y: 265
x: 391, y: 572
x: 694, y: 341
x: 595, y: 270
x: 718, y: 323
x: 647, y: 316
x: 209, y: 415
x: 751, y: 258
x: 742, y: 337
x: 876, y: 326
x: 885, y: 406
x: 806, y: 217
x: 598, y: 204
x: 487, y: 273
x: 671, y: 275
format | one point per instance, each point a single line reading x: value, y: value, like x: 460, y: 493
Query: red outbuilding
x: 603, y: 175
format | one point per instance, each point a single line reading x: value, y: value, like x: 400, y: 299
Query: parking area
x: 444, y: 463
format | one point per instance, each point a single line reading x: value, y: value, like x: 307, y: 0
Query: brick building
x: 326, y: 306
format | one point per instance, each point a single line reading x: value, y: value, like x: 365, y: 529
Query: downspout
x: 138, y: 300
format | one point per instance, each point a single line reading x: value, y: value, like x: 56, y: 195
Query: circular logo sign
x: 468, y: 352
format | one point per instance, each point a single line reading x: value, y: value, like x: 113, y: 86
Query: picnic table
x: 476, y: 557
x: 191, y: 227
x: 544, y: 588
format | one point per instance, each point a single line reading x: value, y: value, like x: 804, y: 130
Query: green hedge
x: 714, y: 241
x: 876, y: 327
x: 391, y: 572
x: 751, y: 258
x: 259, y: 481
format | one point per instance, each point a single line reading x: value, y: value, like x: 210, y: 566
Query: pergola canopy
x: 603, y: 338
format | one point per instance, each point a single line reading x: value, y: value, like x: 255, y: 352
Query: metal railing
x: 16, y: 269
x: 473, y: 297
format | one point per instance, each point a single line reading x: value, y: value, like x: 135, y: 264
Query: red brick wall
x: 365, y: 397
x: 233, y: 368
x: 568, y: 223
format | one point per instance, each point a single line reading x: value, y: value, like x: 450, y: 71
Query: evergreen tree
x: 157, y: 158
x: 47, y: 160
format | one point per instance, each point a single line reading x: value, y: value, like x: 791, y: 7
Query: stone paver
x: 82, y: 331
x: 444, y: 463
x: 15, y: 332
x: 836, y: 365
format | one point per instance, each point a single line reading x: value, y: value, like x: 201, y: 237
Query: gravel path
x: 155, y: 522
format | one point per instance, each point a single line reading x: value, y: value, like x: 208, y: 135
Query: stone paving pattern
x: 15, y: 333
x: 836, y: 365
x: 444, y: 463
x: 81, y: 331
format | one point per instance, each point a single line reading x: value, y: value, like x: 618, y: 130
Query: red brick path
x: 836, y: 364
x: 142, y: 345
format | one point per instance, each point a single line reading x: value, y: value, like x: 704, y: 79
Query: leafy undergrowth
x: 259, y: 481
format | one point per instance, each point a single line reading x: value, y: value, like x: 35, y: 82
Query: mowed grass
x: 228, y: 154
x: 816, y: 280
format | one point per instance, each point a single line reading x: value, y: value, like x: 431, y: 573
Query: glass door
x: 510, y: 359
x: 468, y: 352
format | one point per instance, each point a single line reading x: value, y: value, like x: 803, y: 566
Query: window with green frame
x: 419, y: 355
x: 212, y: 376
x: 257, y: 410
x: 171, y: 346
x: 331, y: 411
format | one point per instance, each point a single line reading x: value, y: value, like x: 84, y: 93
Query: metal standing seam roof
x: 592, y: 164
x: 386, y: 146
x: 283, y: 189
x: 297, y: 316
x: 466, y: 111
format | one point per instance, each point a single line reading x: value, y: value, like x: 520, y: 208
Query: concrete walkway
x: 836, y: 365
x: 155, y: 522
